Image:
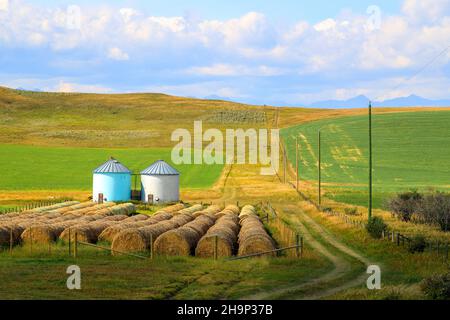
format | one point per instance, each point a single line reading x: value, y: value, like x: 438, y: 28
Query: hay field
x: 114, y: 120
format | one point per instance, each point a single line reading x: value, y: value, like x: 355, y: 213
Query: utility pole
x: 284, y: 162
x: 370, y: 162
x: 296, y: 162
x: 319, y: 167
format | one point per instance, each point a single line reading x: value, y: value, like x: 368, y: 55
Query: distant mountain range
x: 362, y: 101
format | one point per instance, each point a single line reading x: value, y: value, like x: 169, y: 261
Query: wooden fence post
x: 301, y: 247
x: 10, y: 240
x: 31, y: 240
x: 297, y: 242
x: 216, y: 242
x: 151, y: 246
x: 70, y: 243
x: 75, y: 251
x: 398, y: 238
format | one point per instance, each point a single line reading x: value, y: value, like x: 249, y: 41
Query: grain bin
x: 113, y: 180
x: 160, y: 182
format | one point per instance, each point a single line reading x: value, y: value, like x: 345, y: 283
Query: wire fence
x: 287, y: 237
x: 29, y: 206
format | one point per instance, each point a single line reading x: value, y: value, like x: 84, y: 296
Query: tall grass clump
x: 437, y: 287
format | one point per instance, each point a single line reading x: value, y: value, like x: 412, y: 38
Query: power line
x: 419, y: 71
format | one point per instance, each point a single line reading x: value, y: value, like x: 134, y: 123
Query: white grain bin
x: 161, y: 183
x: 113, y: 180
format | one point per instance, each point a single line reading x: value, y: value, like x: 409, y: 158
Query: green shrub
x: 375, y: 227
x: 437, y: 287
x: 417, y: 244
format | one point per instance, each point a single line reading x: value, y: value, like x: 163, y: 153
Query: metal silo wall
x: 114, y: 186
x: 164, y: 187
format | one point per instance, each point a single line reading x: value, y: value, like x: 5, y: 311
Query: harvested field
x: 253, y: 237
x: 221, y: 239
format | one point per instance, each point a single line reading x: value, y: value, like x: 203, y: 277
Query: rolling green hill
x: 114, y: 120
x: 410, y: 151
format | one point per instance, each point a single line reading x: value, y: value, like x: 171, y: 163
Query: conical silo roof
x: 160, y: 167
x: 112, y: 166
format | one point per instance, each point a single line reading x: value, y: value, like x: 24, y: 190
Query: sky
x: 262, y: 52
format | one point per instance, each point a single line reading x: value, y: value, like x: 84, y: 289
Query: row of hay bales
x: 44, y: 226
x: 221, y: 238
x: 141, y: 238
x: 10, y: 215
x: 183, y: 240
x: 140, y: 220
x: 253, y: 237
x: 87, y: 223
x: 12, y: 228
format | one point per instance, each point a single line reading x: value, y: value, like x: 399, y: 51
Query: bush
x: 437, y: 287
x: 435, y: 209
x: 405, y: 204
x: 375, y: 227
x: 417, y: 244
x: 351, y: 211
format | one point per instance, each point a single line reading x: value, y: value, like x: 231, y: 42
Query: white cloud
x: 229, y: 70
x: 117, y: 54
x: 340, y: 47
x: 325, y: 25
x: 4, y: 5
x: 426, y: 11
x: 75, y: 87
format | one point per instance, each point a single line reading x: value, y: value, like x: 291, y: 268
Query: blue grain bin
x: 113, y: 180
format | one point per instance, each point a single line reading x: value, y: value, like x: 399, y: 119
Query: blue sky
x: 262, y: 52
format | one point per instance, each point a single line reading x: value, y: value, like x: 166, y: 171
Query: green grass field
x: 410, y: 151
x: 61, y: 168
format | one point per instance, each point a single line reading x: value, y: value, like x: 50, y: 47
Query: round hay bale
x: 210, y: 210
x: 225, y: 230
x: 88, y: 232
x: 182, y: 241
x: 138, y: 217
x: 109, y: 233
x: 129, y: 240
x: 178, y: 242
x: 171, y: 209
x: 139, y: 239
x: 39, y: 234
x: 191, y: 210
x: 256, y: 244
x: 206, y: 246
x: 253, y: 237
